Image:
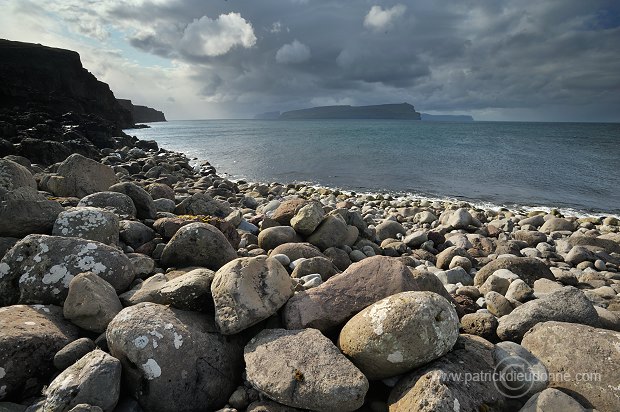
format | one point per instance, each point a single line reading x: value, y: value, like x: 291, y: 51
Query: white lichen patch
x: 2, y: 391
x: 30, y: 323
x: 378, y: 313
x: 4, y: 269
x: 141, y: 342
x: 88, y: 264
x: 396, y: 357
x: 151, y: 369
x: 41, y: 307
x: 2, y: 373
x: 457, y: 405
x: 178, y: 340
x: 55, y: 274
x: 155, y: 344
x: 156, y: 334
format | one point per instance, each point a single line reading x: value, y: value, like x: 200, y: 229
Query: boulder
x: 88, y: 223
x: 24, y: 211
x: 39, y: 268
x: 520, y: 374
x: 400, y: 333
x: 568, y: 304
x: 482, y: 324
x: 308, y: 218
x: 71, y: 353
x: 552, y: 400
x: 118, y: 203
x: 273, y: 237
x: 557, y: 224
x: 581, y: 360
x: 528, y: 269
x: 203, y: 204
x: 454, y: 276
x: 579, y: 254
x: 95, y: 380
x: 388, y: 229
x: 461, y: 219
x: 145, y: 208
x: 441, y: 386
x: 332, y: 232
x: 135, y: 234
x: 345, y: 294
x: 320, y: 265
x: 29, y: 338
x: 174, y: 360
x: 249, y: 290
x: 13, y: 176
x: 445, y: 257
x: 160, y: 191
x: 198, y: 244
x: 91, y: 302
x: 531, y: 237
x: 303, y: 369
x: 79, y: 176
x: 497, y: 304
x: 296, y: 251
x: 287, y: 209
x: 191, y: 291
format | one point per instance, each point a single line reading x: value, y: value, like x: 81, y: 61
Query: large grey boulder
x: 134, y: 233
x: 528, y: 269
x: 400, y: 333
x: 203, y: 204
x: 198, y: 244
x: 191, y: 291
x: 552, y: 400
x: 24, y: 211
x: 39, y: 268
x: 362, y: 284
x: 145, y: 207
x: 95, y: 380
x: 388, y: 229
x: 79, y: 176
x: 308, y: 218
x: 332, y: 232
x: 88, y: 223
x: 115, y: 202
x: 13, y: 176
x: 441, y: 387
x: 581, y: 360
x: 568, y: 304
x: 557, y: 224
x: 174, y: 360
x: 521, y: 373
x: 91, y: 302
x: 71, y: 353
x: 303, y: 369
x: 248, y: 290
x: 29, y: 338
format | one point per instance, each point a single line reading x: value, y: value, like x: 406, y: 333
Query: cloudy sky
x: 556, y: 60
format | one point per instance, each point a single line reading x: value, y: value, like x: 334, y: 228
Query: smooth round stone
x: 283, y: 259
x: 357, y: 255
x: 600, y: 265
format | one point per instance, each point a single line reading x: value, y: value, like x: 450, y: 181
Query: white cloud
x: 208, y: 37
x: 379, y: 19
x: 295, y: 52
x: 276, y: 27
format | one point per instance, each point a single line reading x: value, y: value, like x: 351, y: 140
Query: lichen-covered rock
x: 39, y: 268
x: 79, y: 176
x: 95, y: 380
x: 400, y: 333
x: 91, y: 302
x: 29, y: 338
x: 145, y: 208
x: 248, y: 290
x: 13, y: 175
x: 198, y: 244
x: 174, y: 361
x: 303, y: 369
x: 88, y: 223
x: 308, y: 218
x: 191, y: 291
x: 115, y: 202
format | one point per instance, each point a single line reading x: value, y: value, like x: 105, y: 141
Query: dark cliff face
x: 402, y: 111
x: 44, y: 78
x: 142, y: 114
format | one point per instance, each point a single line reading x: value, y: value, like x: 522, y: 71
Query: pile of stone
x: 136, y: 281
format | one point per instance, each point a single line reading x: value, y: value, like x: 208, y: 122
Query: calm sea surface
x: 565, y: 165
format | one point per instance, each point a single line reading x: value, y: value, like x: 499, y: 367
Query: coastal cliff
x: 142, y: 114
x: 403, y: 111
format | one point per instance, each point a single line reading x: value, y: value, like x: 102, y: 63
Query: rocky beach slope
x: 131, y: 280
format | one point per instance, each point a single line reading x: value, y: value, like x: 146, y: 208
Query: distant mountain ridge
x: 142, y: 114
x: 403, y: 111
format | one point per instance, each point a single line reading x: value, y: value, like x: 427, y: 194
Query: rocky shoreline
x: 131, y: 280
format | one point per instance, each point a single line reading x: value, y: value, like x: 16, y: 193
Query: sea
x: 573, y: 167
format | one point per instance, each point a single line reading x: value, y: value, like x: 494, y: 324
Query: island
x: 142, y: 114
x: 460, y: 118
x: 401, y: 111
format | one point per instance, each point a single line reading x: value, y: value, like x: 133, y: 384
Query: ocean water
x: 570, y: 166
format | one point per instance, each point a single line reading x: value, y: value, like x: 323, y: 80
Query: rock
x: 142, y: 265
x: 91, y: 302
x: 273, y: 237
x: 557, y: 224
x: 71, y: 353
x: 95, y: 379
x: 519, y: 291
x: 318, y: 377
x: 332, y: 232
x: 596, y: 243
x: 13, y: 176
x: 191, y: 291
x: 428, y: 390
x: 118, y: 203
x: 425, y: 217
x: 198, y: 244
x: 520, y: 374
x: 296, y: 251
x: 399, y: 333
x: 308, y: 218
x: 24, y: 211
x: 568, y: 304
x: 160, y: 191
x: 536, y: 221
x: 135, y: 234
x: 339, y: 257
x: 287, y: 209
x: 496, y: 284
x: 482, y: 324
x: 415, y: 239
x: 579, y: 254
x: 388, y: 229
x: 270, y: 406
x: 528, y: 269
x: 164, y: 205
x: 320, y: 265
x: 247, y: 291
x: 29, y: 338
x: 79, y: 176
x: 462, y: 262
x: 497, y: 304
x: 544, y: 286
x: 147, y: 291
x: 347, y: 293
x: 174, y: 360
x: 454, y: 276
x: 444, y: 258
x: 581, y: 360
x: 461, y: 219
x: 608, y: 319
x: 39, y: 268
x: 552, y: 400
x: 88, y: 223
x: 531, y: 237
x: 203, y: 204
x: 145, y: 208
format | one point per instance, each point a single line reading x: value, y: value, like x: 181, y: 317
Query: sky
x: 531, y: 60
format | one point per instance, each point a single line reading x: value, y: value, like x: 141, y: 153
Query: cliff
x: 403, y: 111
x: 142, y: 114
x: 35, y: 76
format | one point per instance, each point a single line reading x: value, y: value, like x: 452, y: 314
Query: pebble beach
x: 137, y: 281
